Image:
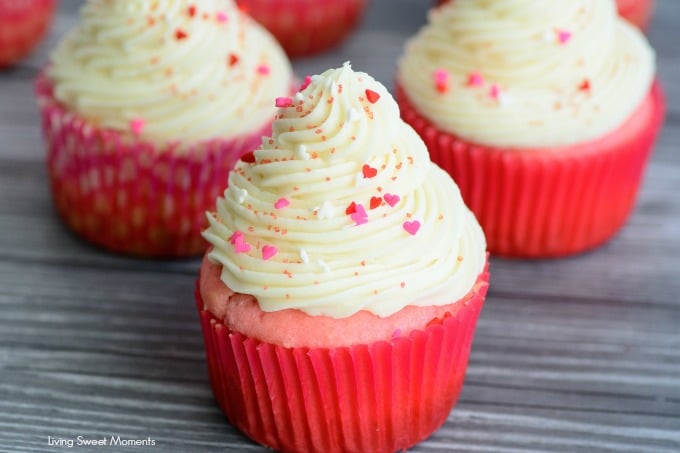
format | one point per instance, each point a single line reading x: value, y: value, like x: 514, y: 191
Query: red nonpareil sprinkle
x: 137, y: 125
x: 563, y: 36
x: 412, y: 227
x: 284, y: 102
x: 351, y: 209
x: 268, y: 251
x: 441, y: 80
x: 375, y: 202
x: 281, y: 203
x: 372, y: 96
x: 233, y: 59
x: 248, y: 158
x: 359, y: 216
x: 191, y: 10
x: 368, y: 171
x: 475, y: 79
x: 221, y: 17
x: 391, y: 199
x: 180, y: 34
x: 263, y: 69
x: 305, y: 83
x: 585, y: 85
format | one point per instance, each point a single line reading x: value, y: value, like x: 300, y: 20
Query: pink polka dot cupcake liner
x: 306, y: 27
x: 379, y: 397
x: 130, y: 196
x: 544, y: 203
x: 23, y: 24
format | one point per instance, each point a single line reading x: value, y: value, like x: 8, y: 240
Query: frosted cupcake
x: 146, y: 106
x: 544, y: 113
x: 306, y: 27
x: 22, y: 25
x: 345, y: 276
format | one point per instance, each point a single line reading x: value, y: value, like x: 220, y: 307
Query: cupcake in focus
x: 146, y: 106
x: 345, y: 276
x: 544, y: 114
x: 22, y: 26
x: 307, y: 27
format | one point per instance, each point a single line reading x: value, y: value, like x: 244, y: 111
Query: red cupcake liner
x: 22, y: 26
x: 378, y: 397
x: 306, y: 27
x: 131, y: 196
x: 550, y: 202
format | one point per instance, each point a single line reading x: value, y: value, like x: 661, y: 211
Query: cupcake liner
x: 638, y: 12
x: 22, y: 26
x: 128, y: 195
x: 306, y: 27
x: 378, y: 397
x: 550, y: 202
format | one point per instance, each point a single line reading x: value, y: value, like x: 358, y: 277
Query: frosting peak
x: 170, y: 69
x: 341, y: 210
x: 527, y: 73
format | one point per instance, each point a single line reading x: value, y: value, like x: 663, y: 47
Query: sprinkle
x: 304, y: 256
x: 233, y: 59
x: 494, y: 91
x: 354, y: 115
x: 192, y: 11
x: 351, y: 209
x: 325, y: 211
x: 475, y: 79
x: 239, y: 243
x: 441, y: 80
x: 563, y: 36
x: 137, y: 125
x: 585, y: 85
x: 412, y: 227
x: 375, y: 202
x: 180, y: 34
x: 263, y: 69
x: 372, y: 96
x: 301, y: 152
x: 359, y: 216
x: 241, y: 195
x: 324, y: 266
x: 284, y: 102
x: 221, y: 17
x: 368, y: 171
x: 268, y: 251
x: 299, y: 97
x: 248, y: 157
x: 391, y: 199
x: 305, y: 83
x: 281, y: 203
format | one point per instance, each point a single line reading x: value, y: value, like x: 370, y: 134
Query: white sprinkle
x: 241, y: 195
x: 303, y: 256
x: 301, y: 152
x: 299, y: 97
x: 324, y: 266
x: 354, y: 115
x: 325, y: 211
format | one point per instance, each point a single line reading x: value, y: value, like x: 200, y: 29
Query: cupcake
x: 145, y: 109
x: 344, y: 278
x: 545, y: 116
x: 638, y: 12
x: 306, y: 27
x: 22, y: 25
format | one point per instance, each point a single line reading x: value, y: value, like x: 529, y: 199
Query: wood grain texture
x: 580, y: 354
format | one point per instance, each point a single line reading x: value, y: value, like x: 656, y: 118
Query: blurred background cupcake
x: 306, y: 27
x: 23, y: 24
x: 544, y: 113
x: 345, y: 277
x: 145, y: 107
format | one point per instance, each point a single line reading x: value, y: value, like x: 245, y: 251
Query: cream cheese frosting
x: 527, y: 73
x: 170, y: 69
x: 341, y: 210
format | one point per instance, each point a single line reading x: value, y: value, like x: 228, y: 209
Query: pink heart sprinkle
x: 391, y: 199
x: 441, y: 80
x: 495, y: 91
x: 281, y: 203
x: 475, y: 79
x: 263, y: 69
x: 305, y: 83
x: 359, y: 215
x: 137, y: 125
x: 268, y: 251
x: 412, y: 227
x: 563, y: 36
x: 222, y: 17
x: 235, y: 237
x: 239, y: 243
x: 284, y: 102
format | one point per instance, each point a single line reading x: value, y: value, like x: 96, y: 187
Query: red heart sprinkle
x: 248, y: 158
x: 180, y: 34
x: 233, y: 59
x: 375, y: 202
x: 351, y: 209
x: 372, y: 96
x: 585, y: 86
x: 368, y: 171
x: 192, y: 11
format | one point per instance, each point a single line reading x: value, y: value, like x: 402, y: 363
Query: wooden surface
x: 580, y: 354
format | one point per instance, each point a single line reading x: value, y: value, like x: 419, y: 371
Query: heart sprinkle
x: 283, y: 102
x: 305, y: 83
x: 368, y: 171
x: 412, y: 227
x: 281, y: 203
x: 391, y: 199
x: 238, y: 241
x: 359, y: 216
x: 137, y: 125
x: 475, y: 79
x: 375, y: 202
x: 351, y: 209
x: 441, y: 80
x: 372, y: 96
x: 268, y: 251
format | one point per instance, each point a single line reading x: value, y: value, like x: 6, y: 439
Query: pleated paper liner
x: 22, y: 25
x: 550, y: 202
x: 128, y: 195
x: 306, y: 27
x: 638, y: 12
x: 379, y: 397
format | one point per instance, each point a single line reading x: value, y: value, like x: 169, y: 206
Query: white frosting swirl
x: 183, y: 70
x: 341, y: 144
x: 564, y: 71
